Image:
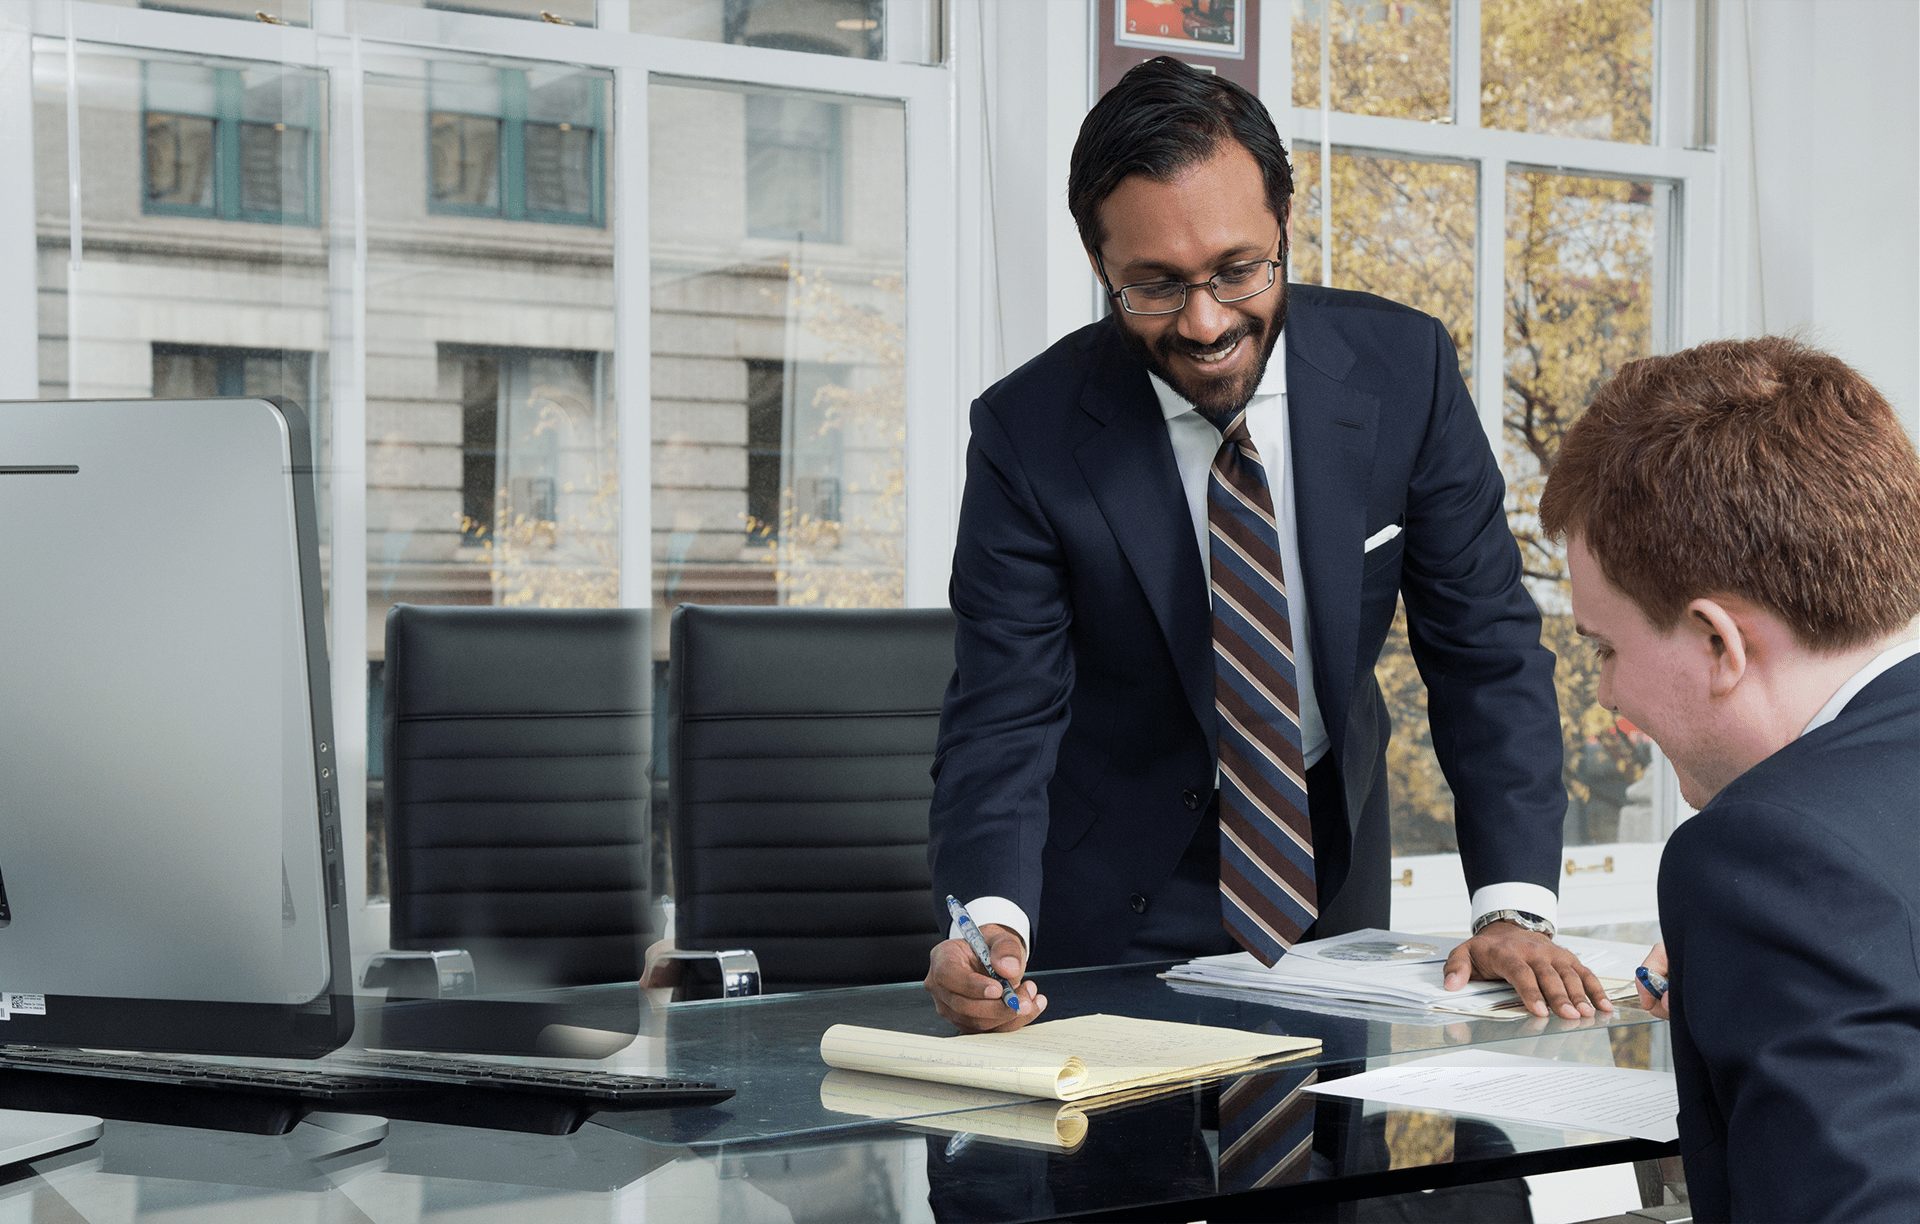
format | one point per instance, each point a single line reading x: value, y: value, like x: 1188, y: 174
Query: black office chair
x: 798, y: 742
x: 517, y: 746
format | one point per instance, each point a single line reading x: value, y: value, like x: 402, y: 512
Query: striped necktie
x: 1267, y: 893
x: 1266, y: 1129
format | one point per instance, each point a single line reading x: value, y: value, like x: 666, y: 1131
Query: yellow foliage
x: 1578, y: 287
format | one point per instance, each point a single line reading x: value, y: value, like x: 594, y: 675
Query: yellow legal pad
x: 1062, y: 1060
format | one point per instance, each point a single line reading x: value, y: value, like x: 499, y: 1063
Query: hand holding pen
x: 1652, y: 981
x: 975, y: 977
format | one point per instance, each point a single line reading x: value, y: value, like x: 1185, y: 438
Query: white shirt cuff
x: 1528, y: 898
x: 984, y: 910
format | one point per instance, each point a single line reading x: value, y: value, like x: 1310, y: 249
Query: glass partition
x: 491, y: 460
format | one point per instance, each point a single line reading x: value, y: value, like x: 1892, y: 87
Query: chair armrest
x: 439, y: 973
x: 695, y: 973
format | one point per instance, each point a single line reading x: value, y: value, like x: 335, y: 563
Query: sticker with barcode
x: 24, y: 1004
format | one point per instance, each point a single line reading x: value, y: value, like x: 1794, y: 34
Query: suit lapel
x: 1331, y: 428
x: 1128, y: 465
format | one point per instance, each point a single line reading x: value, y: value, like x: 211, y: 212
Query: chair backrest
x: 517, y: 747
x: 799, y: 742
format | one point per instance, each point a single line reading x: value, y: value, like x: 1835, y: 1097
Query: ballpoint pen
x: 978, y: 943
x: 1655, y: 984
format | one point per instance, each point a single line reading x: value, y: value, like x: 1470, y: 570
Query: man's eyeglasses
x: 1231, y: 284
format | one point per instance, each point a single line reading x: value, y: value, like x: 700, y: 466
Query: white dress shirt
x: 1887, y: 658
x: 1195, y: 443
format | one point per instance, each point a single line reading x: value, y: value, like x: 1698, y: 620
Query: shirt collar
x: 1888, y: 658
x: 1272, y: 382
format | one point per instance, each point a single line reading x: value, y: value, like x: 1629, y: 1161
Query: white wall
x: 1823, y: 229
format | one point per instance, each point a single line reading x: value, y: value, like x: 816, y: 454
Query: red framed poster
x: 1212, y: 35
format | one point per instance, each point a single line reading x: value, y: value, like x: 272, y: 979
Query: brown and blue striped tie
x: 1267, y: 893
x: 1266, y: 1129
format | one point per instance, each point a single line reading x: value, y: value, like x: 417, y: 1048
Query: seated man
x: 1743, y: 536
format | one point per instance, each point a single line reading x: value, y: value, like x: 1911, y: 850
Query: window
x: 1419, y: 154
x: 520, y: 144
x: 793, y: 168
x: 239, y: 144
x: 526, y: 417
x: 201, y: 371
x: 488, y: 459
x: 794, y: 450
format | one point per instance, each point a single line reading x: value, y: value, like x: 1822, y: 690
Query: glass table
x: 779, y: 1151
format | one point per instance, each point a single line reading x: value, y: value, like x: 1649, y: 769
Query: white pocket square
x: 1380, y: 537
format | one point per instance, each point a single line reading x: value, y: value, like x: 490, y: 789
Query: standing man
x: 1184, y: 531
x: 1743, y: 533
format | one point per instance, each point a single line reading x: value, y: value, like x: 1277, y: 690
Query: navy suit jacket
x: 1075, y: 765
x: 1789, y: 907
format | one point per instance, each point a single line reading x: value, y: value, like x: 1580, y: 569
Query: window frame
x: 1596, y: 883
x: 347, y: 45
x: 511, y: 167
x: 229, y: 117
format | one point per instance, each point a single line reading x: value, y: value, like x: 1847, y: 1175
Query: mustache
x: 1174, y: 343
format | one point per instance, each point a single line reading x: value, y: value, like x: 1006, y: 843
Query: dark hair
x: 1160, y: 119
x: 1759, y: 468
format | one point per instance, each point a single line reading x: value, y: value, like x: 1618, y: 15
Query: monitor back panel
x: 168, y: 851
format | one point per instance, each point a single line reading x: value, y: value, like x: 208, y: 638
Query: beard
x: 1216, y: 398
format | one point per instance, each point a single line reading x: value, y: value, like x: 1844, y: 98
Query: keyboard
x: 272, y: 1099
x: 179, y: 1091
x: 509, y: 1096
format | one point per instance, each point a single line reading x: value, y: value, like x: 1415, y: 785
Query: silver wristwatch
x: 1519, y: 918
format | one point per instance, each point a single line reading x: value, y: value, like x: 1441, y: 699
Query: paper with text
x: 1571, y: 1096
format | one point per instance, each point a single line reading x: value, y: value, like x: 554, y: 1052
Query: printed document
x: 1570, y: 1096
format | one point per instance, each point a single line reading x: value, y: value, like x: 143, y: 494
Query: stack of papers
x: 1609, y: 1100
x: 1397, y: 969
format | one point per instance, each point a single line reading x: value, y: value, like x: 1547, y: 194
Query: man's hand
x: 964, y: 994
x: 1549, y: 979
x: 1656, y: 961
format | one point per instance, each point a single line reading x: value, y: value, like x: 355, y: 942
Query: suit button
x: 1138, y: 902
x: 1191, y: 798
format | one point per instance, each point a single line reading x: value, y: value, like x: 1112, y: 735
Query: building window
x: 203, y: 371
x: 795, y: 449
x: 523, y: 145
x: 525, y: 417
x: 793, y: 168
x: 239, y: 144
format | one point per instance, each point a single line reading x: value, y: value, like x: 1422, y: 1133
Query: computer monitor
x: 170, y: 850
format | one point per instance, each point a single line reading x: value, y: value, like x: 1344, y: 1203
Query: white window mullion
x: 1572, y: 155
x: 931, y: 487
x: 633, y: 314
x: 1696, y: 259
x: 1276, y: 61
x: 613, y: 16
x: 347, y: 562
x: 19, y: 254
x: 1466, y: 64
x: 1490, y: 299
x: 1676, y: 65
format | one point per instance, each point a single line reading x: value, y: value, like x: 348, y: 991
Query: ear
x: 1715, y: 625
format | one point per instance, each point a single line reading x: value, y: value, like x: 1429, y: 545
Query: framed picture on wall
x: 1213, y: 35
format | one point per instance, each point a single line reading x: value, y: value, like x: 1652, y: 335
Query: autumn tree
x: 1577, y: 294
